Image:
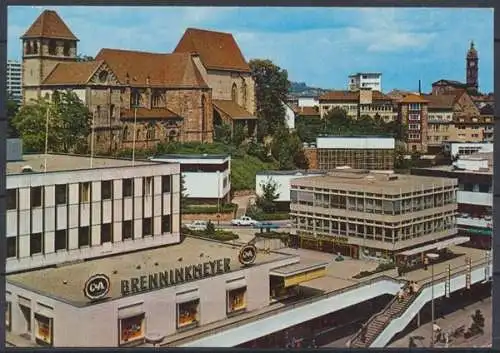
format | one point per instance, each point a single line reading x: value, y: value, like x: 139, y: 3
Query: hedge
x: 380, y: 268
x: 211, y: 209
x: 277, y: 216
x: 273, y: 235
x: 220, y: 235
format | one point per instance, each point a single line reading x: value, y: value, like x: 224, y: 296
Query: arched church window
x: 203, y: 113
x: 34, y: 49
x: 156, y: 99
x: 52, y: 47
x: 150, y: 133
x: 234, y: 93
x: 135, y: 99
x: 28, y: 49
x: 243, y: 93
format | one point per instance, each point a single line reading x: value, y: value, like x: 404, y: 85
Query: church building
x: 139, y: 97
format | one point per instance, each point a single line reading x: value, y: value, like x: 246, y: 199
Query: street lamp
x: 432, y: 257
x: 135, y: 133
x: 218, y: 198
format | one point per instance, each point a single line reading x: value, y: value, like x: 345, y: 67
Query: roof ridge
x: 207, y: 30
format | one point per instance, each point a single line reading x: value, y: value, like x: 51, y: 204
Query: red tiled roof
x: 49, y: 25
x: 71, y: 73
x: 217, y: 50
x: 440, y: 101
x: 307, y: 111
x: 413, y: 98
x: 163, y: 70
x: 347, y: 96
x: 144, y: 113
x: 232, y: 109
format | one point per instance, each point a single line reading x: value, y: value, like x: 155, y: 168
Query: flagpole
x: 92, y: 140
x: 46, y: 139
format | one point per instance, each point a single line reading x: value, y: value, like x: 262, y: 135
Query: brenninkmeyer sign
x: 175, y: 276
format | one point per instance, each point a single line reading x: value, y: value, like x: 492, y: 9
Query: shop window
x: 61, y: 240
x: 106, y: 233
x: 166, y: 183
x: 132, y: 329
x: 127, y: 230
x: 36, y: 244
x: 8, y: 314
x: 11, y: 247
x: 36, y: 196
x: 43, y: 330
x: 188, y: 314
x: 106, y: 190
x: 84, y: 192
x: 166, y: 224
x: 236, y: 300
x: 61, y: 194
x: 148, y: 186
x: 83, y: 237
x: 11, y: 199
x: 128, y: 187
x: 147, y: 226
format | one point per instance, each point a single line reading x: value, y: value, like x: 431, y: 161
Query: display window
x: 132, y: 329
x: 236, y: 300
x: 43, y: 330
x: 8, y: 313
x: 188, y: 314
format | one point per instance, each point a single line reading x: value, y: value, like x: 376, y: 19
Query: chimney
x: 420, y: 87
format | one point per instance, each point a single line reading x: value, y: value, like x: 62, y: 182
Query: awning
x: 436, y: 246
x: 232, y: 110
x: 478, y: 231
x: 300, y: 272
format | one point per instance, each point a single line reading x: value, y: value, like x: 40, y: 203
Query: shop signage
x: 96, y: 287
x: 173, y: 277
x: 248, y: 254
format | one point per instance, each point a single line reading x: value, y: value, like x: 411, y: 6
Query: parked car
x: 243, y: 221
x: 197, y: 225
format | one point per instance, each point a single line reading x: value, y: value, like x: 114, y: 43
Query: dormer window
x: 156, y: 99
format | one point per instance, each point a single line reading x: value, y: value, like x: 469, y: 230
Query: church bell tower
x: 472, y: 68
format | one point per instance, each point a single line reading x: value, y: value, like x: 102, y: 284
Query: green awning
x: 479, y: 231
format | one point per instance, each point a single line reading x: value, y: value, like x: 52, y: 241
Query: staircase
x: 377, y: 323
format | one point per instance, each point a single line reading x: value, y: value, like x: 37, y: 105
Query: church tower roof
x: 472, y: 53
x: 49, y: 25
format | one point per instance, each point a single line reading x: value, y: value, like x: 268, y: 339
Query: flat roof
x: 300, y: 267
x: 362, y: 180
x: 68, y: 162
x: 298, y: 172
x: 66, y: 283
x: 357, y: 136
x: 192, y: 156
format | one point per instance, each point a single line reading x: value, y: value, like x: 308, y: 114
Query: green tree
x: 287, y: 149
x: 271, y: 90
x: 267, y: 201
x: 184, y: 194
x: 222, y: 133
x: 210, y: 230
x: 239, y: 135
x: 68, y: 119
x: 12, y: 109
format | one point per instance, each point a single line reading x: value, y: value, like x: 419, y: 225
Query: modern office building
x: 457, y: 149
x: 148, y: 297
x: 377, y: 215
x: 372, y: 80
x: 358, y: 152
x: 475, y: 195
x: 63, y: 208
x: 15, y: 80
x: 207, y: 177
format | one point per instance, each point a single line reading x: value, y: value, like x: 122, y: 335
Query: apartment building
x: 15, y: 80
x: 440, y: 120
x: 372, y: 80
x: 475, y: 195
x: 358, y: 152
x: 364, y: 214
x: 63, y: 208
x: 357, y: 103
x: 413, y: 112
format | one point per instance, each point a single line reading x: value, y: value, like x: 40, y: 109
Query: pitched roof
x: 232, y: 109
x: 163, y: 70
x: 49, y: 25
x: 413, y: 98
x: 72, y: 73
x: 352, y: 96
x: 453, y: 83
x: 217, y: 50
x: 440, y: 101
x: 307, y: 111
x: 144, y: 113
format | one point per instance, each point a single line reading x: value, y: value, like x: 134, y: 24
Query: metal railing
x: 272, y: 312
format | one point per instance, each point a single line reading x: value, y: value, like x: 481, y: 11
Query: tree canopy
x: 12, y: 109
x: 266, y: 202
x: 68, y: 119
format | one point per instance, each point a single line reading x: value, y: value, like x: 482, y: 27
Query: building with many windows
x: 413, y: 112
x: 63, y: 208
x: 15, y: 80
x: 372, y: 80
x: 377, y: 215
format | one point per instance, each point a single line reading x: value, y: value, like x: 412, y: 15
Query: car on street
x: 243, y: 221
x: 197, y: 225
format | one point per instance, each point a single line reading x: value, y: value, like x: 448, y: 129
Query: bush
x: 220, y: 235
x: 211, y: 209
x: 273, y: 235
x: 380, y: 268
x: 276, y: 216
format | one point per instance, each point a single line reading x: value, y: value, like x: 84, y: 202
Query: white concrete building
x: 308, y: 101
x: 77, y: 210
x: 282, y: 178
x: 371, y: 80
x: 456, y: 149
x: 207, y: 177
x: 289, y: 116
x: 15, y: 80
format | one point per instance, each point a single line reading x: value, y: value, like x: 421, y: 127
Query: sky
x: 318, y: 46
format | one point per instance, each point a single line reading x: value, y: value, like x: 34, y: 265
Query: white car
x: 197, y: 225
x: 244, y: 221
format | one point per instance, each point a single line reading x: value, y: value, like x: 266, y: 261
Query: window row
x: 61, y: 191
x: 85, y: 234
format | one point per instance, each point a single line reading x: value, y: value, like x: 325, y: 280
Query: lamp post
x: 135, y: 133
x: 218, y: 198
x: 432, y: 257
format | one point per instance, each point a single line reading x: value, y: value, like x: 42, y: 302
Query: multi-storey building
x: 372, y: 80
x: 358, y: 103
x: 475, y: 195
x: 413, y: 113
x: 440, y: 120
x: 455, y: 149
x: 14, y: 80
x: 358, y: 152
x: 63, y: 208
x: 143, y: 97
x: 365, y: 214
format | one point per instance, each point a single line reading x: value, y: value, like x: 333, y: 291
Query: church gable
x: 103, y: 76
